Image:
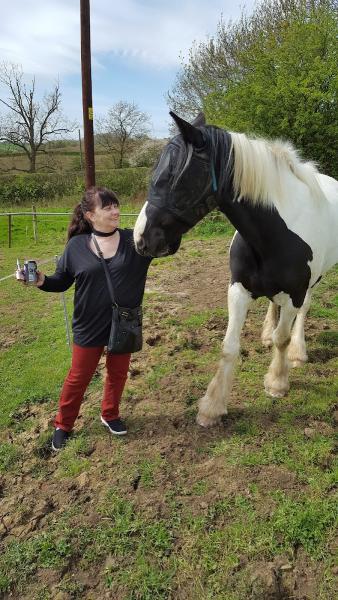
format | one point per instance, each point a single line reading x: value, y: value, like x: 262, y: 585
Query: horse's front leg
x: 214, y: 404
x: 276, y: 380
x: 297, y: 354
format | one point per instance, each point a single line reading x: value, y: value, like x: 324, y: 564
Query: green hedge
x: 23, y: 189
x: 129, y: 182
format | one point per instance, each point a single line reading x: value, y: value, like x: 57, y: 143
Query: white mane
x: 262, y: 168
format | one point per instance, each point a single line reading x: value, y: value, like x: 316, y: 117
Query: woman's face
x: 104, y: 219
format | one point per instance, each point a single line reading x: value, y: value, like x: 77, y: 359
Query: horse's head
x: 181, y: 193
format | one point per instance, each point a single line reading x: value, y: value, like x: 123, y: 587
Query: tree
x: 30, y: 123
x: 208, y: 67
x: 274, y: 74
x: 117, y: 132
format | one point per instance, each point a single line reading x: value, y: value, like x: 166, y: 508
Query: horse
x: 286, y: 218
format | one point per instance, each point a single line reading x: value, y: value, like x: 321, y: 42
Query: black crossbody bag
x: 126, y: 327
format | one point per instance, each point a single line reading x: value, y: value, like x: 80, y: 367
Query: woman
x: 97, y: 215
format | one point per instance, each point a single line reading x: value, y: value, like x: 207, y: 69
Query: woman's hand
x: 38, y: 283
x: 41, y: 279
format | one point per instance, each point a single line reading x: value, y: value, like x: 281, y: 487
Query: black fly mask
x: 184, y: 188
x: 190, y: 193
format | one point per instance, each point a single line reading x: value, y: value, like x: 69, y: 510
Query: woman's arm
x: 63, y: 277
x: 59, y: 282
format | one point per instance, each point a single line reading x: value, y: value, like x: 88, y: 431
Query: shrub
x: 37, y: 187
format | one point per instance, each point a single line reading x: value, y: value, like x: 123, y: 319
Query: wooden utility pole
x: 87, y: 100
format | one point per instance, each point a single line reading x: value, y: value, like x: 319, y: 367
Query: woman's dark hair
x: 93, y: 197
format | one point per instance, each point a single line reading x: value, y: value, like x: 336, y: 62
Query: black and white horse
x: 286, y: 217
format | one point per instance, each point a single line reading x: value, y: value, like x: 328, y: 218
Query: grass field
x: 243, y: 511
x: 63, y: 158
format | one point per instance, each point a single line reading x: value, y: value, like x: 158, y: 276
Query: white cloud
x: 44, y: 36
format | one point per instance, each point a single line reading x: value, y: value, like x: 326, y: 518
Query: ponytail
x: 78, y: 223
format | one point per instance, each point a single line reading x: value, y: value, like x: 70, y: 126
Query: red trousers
x: 84, y: 363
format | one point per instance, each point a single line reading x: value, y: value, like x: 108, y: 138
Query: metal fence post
x: 63, y: 302
x: 35, y: 224
x: 9, y: 231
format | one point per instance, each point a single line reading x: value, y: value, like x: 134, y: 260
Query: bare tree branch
x: 117, y: 132
x: 38, y: 122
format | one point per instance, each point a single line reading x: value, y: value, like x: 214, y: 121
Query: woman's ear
x: 88, y: 215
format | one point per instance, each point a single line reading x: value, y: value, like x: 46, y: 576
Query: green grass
x: 123, y: 534
x: 304, y: 523
x: 147, y: 469
x: 9, y: 457
x: 142, y: 553
x: 73, y: 459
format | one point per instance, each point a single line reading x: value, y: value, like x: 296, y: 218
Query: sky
x: 137, y: 47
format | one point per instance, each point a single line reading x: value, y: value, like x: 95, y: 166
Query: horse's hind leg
x: 214, y: 404
x: 297, y: 354
x: 276, y: 380
x: 270, y: 324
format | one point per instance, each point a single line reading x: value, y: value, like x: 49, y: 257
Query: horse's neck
x: 254, y: 223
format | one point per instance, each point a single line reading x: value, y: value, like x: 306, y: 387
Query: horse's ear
x: 199, y: 121
x: 190, y: 133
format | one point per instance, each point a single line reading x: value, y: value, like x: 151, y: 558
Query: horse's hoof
x: 274, y: 393
x: 204, y: 421
x: 297, y: 355
x: 274, y: 390
x: 267, y: 342
x: 297, y: 362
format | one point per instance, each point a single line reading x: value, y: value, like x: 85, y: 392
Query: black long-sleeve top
x: 92, y: 304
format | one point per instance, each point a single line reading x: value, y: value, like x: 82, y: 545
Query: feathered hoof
x: 267, y: 342
x: 297, y: 362
x: 206, y: 422
x: 275, y: 388
x: 297, y: 355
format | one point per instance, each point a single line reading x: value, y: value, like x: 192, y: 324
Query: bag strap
x: 110, y: 285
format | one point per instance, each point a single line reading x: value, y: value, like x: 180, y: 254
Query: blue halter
x: 213, y: 177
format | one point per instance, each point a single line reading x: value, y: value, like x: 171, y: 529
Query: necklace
x: 103, y: 233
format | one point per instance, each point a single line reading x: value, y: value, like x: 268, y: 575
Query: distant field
x: 65, y: 156
x: 61, y: 160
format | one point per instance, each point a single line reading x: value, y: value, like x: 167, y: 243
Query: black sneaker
x: 116, y: 426
x: 60, y: 438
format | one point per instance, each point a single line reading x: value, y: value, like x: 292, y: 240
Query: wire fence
x: 35, y: 217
